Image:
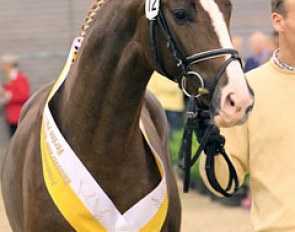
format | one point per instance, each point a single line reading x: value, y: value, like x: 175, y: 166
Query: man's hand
x: 202, y: 122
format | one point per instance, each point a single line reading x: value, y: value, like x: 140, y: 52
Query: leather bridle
x: 185, y: 62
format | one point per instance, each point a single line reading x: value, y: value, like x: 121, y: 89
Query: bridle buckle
x: 203, y: 91
x: 191, y: 115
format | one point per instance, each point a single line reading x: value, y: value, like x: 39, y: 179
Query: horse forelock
x: 92, y: 13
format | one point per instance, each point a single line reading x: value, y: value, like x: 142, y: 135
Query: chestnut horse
x: 100, y: 104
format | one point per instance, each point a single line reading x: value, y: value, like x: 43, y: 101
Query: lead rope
x: 212, y: 143
x: 184, y: 158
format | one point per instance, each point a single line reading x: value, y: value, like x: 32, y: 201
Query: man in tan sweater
x: 265, y: 145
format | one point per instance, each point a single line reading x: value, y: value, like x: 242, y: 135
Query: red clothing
x: 19, y: 91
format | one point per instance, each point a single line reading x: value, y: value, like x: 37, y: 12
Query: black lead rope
x: 211, y: 145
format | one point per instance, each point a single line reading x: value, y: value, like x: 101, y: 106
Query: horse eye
x: 181, y: 16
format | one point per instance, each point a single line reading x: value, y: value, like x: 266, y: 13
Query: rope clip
x: 192, y: 114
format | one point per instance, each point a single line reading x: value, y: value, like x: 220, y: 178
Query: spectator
x: 15, y: 91
x: 171, y: 98
x: 264, y: 146
x: 237, y: 42
x: 259, y: 43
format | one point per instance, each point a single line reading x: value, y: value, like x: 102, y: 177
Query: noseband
x: 185, y: 62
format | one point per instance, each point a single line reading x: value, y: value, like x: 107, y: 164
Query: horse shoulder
x: 21, y: 161
x: 30, y: 114
x: 34, y: 99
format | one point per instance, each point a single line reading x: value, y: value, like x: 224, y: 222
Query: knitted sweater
x: 265, y: 148
x: 167, y: 92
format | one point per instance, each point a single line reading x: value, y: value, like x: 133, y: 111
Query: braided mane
x: 95, y: 7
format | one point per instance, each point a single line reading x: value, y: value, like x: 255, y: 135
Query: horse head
x: 191, y: 44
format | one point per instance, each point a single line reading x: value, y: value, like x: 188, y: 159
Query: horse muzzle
x: 234, y: 109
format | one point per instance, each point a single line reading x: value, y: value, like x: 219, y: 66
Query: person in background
x: 171, y: 98
x: 264, y: 145
x: 259, y: 43
x: 15, y: 90
x: 237, y: 42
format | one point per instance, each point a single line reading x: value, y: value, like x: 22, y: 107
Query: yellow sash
x: 78, y: 196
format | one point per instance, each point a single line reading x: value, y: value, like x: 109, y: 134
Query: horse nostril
x: 249, y: 109
x: 230, y: 100
x: 232, y: 103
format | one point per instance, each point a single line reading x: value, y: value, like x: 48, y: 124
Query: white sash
x: 59, y: 158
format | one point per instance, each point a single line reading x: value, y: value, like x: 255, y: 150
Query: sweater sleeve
x: 237, y: 149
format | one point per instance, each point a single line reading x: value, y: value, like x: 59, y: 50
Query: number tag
x: 152, y: 8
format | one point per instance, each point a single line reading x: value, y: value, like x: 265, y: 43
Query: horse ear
x: 152, y: 8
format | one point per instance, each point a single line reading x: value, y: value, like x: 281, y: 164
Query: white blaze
x: 236, y: 82
x: 218, y: 22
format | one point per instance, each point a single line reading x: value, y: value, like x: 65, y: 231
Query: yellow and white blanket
x: 78, y: 196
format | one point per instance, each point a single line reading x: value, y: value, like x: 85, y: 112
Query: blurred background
x: 41, y: 32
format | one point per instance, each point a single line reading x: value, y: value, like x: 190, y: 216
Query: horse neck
x: 100, y: 102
